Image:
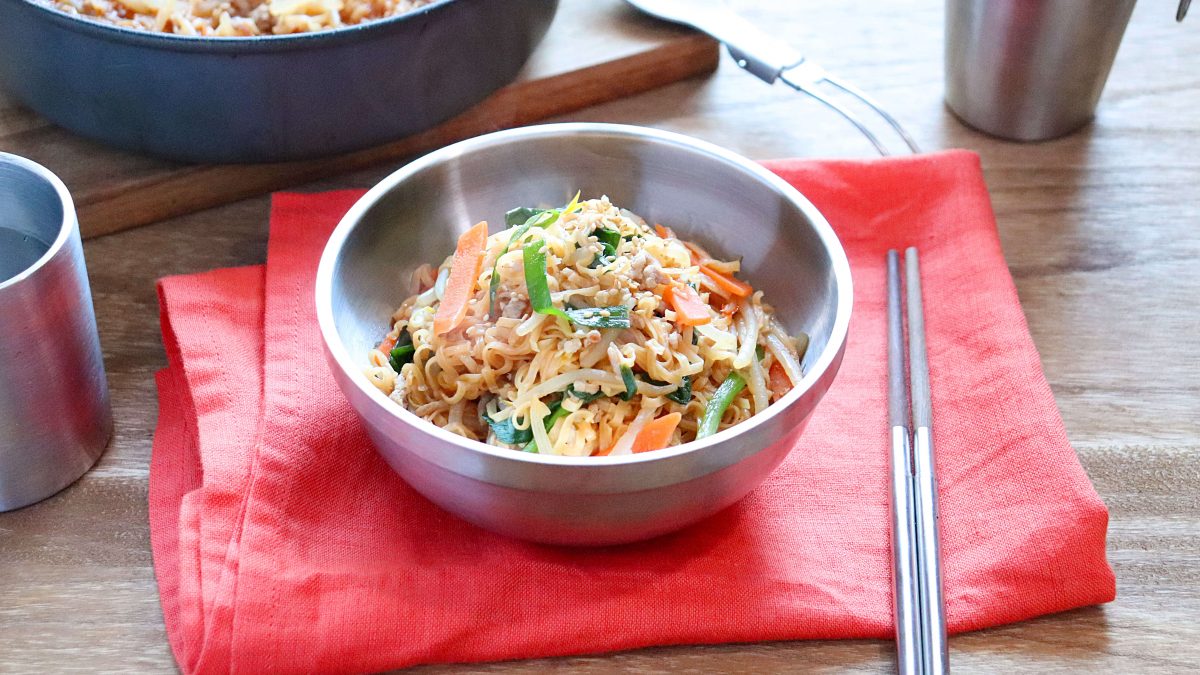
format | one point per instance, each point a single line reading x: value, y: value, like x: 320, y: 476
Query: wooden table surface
x: 1101, y: 231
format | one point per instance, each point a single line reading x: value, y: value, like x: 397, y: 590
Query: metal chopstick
x: 904, y: 552
x: 929, y: 569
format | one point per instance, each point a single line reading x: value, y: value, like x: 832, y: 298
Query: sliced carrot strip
x: 657, y: 433
x: 729, y: 268
x: 690, y: 310
x: 715, y: 292
x: 735, y: 287
x: 387, y: 344
x: 460, y: 286
x: 699, y: 255
x: 779, y: 384
x: 664, y: 231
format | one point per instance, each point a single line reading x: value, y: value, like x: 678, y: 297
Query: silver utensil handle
x: 905, y: 602
x: 905, y: 599
x: 752, y: 48
x: 936, y: 651
x: 770, y: 59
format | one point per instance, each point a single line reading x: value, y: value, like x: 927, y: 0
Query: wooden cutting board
x: 594, y: 52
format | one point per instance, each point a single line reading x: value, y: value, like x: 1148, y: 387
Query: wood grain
x: 1099, y: 229
x: 590, y: 55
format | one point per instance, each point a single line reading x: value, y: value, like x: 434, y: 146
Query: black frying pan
x: 265, y: 98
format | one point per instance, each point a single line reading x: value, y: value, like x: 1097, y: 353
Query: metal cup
x: 55, y: 417
x: 1030, y: 70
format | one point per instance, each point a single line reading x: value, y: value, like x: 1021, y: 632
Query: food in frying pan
x: 235, y: 18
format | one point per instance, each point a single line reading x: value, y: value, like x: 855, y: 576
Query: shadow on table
x: 806, y: 656
x: 1079, y: 634
x: 1062, y: 639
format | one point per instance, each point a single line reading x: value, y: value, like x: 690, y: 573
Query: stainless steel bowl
x: 725, y: 202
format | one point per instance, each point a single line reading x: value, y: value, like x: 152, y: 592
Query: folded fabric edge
x: 193, y: 617
x: 172, y: 475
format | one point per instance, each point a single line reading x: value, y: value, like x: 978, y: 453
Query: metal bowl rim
x: 337, y: 350
x: 65, y: 228
x: 236, y: 44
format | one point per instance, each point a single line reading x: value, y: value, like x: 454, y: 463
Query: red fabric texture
x: 283, y: 543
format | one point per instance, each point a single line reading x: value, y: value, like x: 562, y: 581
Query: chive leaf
x: 536, y: 282
x: 715, y: 410
x: 584, y: 398
x: 538, y: 286
x: 616, y: 316
x: 608, y: 236
x: 682, y: 394
x: 609, y: 239
x: 522, y: 214
x: 400, y: 356
x: 402, y: 352
x: 506, y: 433
x: 630, y: 383
x: 557, y: 412
x: 542, y: 218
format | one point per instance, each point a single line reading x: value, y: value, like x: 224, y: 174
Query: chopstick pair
x: 918, y: 608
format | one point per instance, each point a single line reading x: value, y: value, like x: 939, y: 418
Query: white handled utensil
x: 770, y: 59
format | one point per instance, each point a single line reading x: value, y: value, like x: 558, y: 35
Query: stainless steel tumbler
x: 1030, y: 70
x: 55, y: 417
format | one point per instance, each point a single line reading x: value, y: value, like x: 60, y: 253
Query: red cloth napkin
x: 283, y: 543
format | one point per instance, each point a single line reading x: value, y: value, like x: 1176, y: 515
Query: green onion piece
x: 695, y: 337
x: 557, y: 412
x: 616, y: 316
x: 493, y: 286
x: 544, y: 219
x: 400, y: 356
x: 522, y: 214
x: 585, y: 398
x: 630, y: 383
x: 536, y: 282
x: 402, y: 352
x: 609, y: 239
x: 539, y: 218
x: 715, y: 410
x: 525, y: 214
x: 507, y: 433
x: 602, y: 258
x: 682, y: 394
x: 539, y: 296
x: 760, y: 352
